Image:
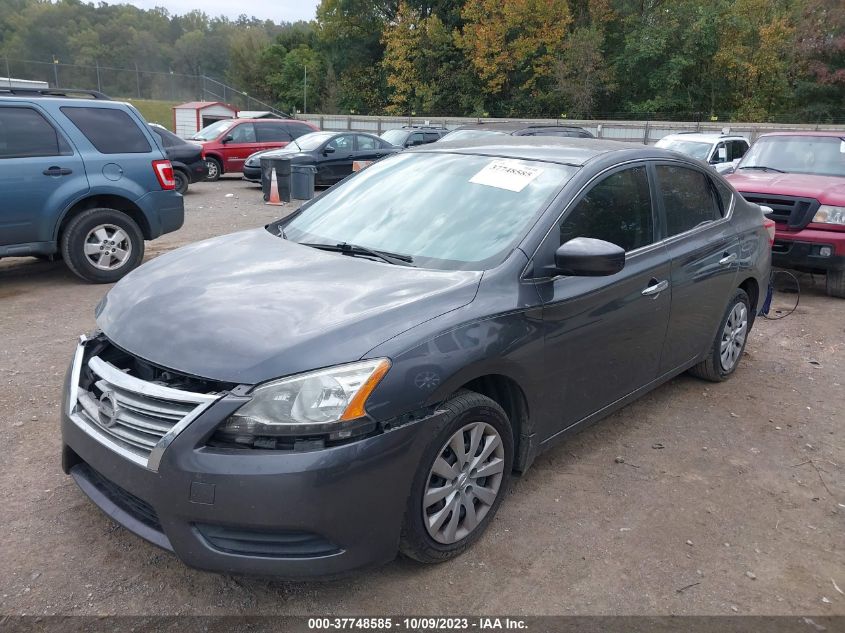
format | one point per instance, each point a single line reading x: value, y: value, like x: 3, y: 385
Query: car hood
x: 825, y: 189
x: 292, y: 153
x: 250, y: 306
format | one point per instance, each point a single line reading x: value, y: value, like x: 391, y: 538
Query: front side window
x: 341, y: 144
x: 110, y: 131
x: 416, y: 138
x: 617, y: 209
x: 738, y: 149
x: 24, y: 132
x: 446, y: 211
x: 689, y: 199
x: 243, y: 133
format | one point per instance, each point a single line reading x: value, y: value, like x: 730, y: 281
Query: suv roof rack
x: 75, y: 93
x: 421, y: 126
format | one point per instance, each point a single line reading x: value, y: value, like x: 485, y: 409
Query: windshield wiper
x: 354, y: 249
x: 763, y: 167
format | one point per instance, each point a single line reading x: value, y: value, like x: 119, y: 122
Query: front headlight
x: 253, y: 161
x: 830, y: 215
x: 329, y: 402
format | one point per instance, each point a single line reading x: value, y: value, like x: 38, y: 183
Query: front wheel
x: 102, y: 245
x: 215, y: 169
x: 835, y: 283
x: 723, y: 357
x: 460, y: 481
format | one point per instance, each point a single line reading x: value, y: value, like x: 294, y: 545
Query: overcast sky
x: 276, y: 10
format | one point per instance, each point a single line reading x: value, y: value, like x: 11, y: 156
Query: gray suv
x: 365, y: 375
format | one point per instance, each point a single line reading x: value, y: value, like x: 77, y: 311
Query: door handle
x: 57, y: 171
x: 727, y: 259
x: 655, y: 288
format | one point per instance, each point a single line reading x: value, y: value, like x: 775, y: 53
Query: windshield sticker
x: 506, y: 174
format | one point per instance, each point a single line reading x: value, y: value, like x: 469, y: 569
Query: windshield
x: 307, y: 142
x: 695, y: 149
x: 211, y: 132
x: 395, y: 137
x: 464, y: 135
x: 447, y: 211
x: 822, y: 155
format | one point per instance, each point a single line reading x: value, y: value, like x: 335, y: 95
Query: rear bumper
x: 164, y: 211
x: 198, y: 171
x: 809, y: 249
x: 290, y: 514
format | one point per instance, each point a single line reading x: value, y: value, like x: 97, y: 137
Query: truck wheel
x: 215, y: 169
x: 723, y: 357
x: 835, y: 284
x: 102, y: 245
x: 182, y: 181
x: 460, y: 481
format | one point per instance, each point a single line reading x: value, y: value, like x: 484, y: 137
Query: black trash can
x: 282, y: 169
x: 302, y: 181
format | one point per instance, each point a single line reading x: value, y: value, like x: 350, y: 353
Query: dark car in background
x: 84, y: 178
x: 514, y: 128
x: 227, y: 144
x: 331, y: 153
x: 189, y: 165
x: 414, y: 135
x: 363, y: 376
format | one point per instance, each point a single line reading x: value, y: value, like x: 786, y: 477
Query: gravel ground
x: 727, y: 499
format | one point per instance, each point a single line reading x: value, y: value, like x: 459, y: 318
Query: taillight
x: 164, y: 172
x: 770, y: 229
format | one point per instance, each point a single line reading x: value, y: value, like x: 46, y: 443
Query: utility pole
x: 137, y: 80
x: 8, y: 73
x: 305, y: 91
x: 56, y: 70
x: 99, y: 88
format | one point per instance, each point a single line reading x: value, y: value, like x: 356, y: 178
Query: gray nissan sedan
x: 364, y: 376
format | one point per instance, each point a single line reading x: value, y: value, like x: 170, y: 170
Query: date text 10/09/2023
x: 417, y: 624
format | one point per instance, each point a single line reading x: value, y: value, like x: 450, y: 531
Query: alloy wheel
x: 463, y: 482
x: 107, y: 247
x: 733, y: 336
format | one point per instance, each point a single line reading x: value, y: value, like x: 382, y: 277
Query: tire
x: 714, y: 368
x: 113, y: 230
x: 215, y: 169
x: 835, y: 283
x: 182, y: 181
x: 467, y: 411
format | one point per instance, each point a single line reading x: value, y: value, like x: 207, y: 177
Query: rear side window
x: 430, y: 137
x: 110, y: 131
x: 616, y: 210
x: 272, y: 133
x: 24, y: 132
x: 689, y: 199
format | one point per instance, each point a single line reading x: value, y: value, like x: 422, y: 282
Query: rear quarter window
x: 110, y: 131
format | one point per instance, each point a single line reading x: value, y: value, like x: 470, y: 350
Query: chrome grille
x: 134, y: 417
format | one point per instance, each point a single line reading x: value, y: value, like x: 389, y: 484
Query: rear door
x: 704, y: 248
x: 243, y: 143
x: 604, y: 335
x: 41, y: 173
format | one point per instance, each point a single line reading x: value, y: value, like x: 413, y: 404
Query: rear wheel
x: 835, y: 283
x: 215, y: 169
x: 182, y: 180
x: 102, y: 245
x: 729, y: 345
x: 460, y: 481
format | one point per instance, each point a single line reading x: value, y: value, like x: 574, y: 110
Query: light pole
x: 305, y: 91
x: 56, y: 70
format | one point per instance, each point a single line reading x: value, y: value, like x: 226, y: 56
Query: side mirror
x: 227, y: 139
x: 589, y: 257
x: 767, y: 211
x: 328, y: 150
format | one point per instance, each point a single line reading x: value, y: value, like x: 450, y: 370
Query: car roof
x: 254, y: 120
x: 706, y: 137
x: 834, y: 133
x: 553, y: 149
x: 513, y: 126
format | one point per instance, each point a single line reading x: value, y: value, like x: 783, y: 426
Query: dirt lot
x: 728, y: 499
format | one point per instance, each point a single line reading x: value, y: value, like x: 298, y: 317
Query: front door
x: 705, y: 260
x: 335, y: 161
x: 604, y: 335
x: 241, y: 144
x: 40, y: 174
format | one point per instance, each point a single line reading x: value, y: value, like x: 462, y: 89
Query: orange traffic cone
x: 275, y: 199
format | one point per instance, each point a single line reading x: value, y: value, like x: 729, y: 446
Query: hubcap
x: 107, y: 247
x: 463, y: 482
x: 733, y: 336
x: 212, y: 169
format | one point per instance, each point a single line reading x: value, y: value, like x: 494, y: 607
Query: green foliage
x: 730, y: 59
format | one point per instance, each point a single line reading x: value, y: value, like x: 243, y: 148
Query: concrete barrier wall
x: 646, y: 132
